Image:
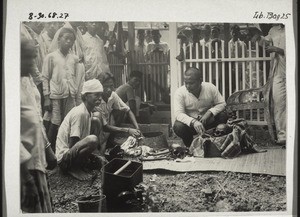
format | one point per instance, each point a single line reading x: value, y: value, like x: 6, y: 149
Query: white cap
x: 92, y: 86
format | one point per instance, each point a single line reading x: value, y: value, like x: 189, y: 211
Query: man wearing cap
x: 156, y: 44
x: 76, y: 139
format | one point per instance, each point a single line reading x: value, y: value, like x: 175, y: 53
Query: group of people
x: 199, y: 106
x: 70, y: 111
x: 68, y: 106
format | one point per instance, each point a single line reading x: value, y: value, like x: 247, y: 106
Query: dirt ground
x: 185, y: 192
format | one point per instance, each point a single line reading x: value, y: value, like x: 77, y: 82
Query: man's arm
x: 133, y: 119
x: 179, y: 109
x: 75, y: 131
x: 73, y: 141
x: 47, y: 74
x: 131, y: 131
x: 80, y: 73
x: 219, y: 102
x: 132, y: 105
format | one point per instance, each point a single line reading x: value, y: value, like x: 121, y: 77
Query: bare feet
x: 79, y: 174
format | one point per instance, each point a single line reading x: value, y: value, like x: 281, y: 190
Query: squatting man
x: 198, y: 106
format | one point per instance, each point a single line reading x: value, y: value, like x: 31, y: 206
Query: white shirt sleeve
x: 179, y: 108
x: 76, y: 126
x: 118, y: 103
x: 219, y: 102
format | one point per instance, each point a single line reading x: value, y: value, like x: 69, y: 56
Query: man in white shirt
x: 76, y: 139
x: 46, y: 37
x: 94, y: 53
x: 215, y: 34
x: 141, y: 45
x: 156, y: 44
x: 206, y: 41
x: 198, y: 106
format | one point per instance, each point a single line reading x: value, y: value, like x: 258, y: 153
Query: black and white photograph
x: 187, y: 116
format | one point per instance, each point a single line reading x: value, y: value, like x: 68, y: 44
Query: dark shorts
x: 69, y: 159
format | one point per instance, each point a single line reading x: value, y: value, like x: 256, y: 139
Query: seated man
x: 75, y: 144
x: 112, y: 102
x: 127, y: 94
x: 198, y: 106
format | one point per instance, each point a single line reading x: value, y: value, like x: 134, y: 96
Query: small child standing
x: 59, y: 82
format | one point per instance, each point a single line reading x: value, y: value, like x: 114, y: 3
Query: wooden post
x: 131, y: 42
x: 175, y: 71
x: 131, y: 36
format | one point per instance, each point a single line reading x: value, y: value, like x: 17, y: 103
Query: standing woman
x: 35, y: 197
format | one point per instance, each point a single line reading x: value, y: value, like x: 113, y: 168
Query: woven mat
x: 272, y: 162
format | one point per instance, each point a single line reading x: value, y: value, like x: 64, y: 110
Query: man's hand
x: 198, y: 126
x: 204, y: 119
x: 134, y: 132
x: 47, y: 104
x: 271, y: 49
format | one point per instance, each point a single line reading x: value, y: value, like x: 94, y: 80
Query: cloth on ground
x: 227, y: 146
x: 133, y: 148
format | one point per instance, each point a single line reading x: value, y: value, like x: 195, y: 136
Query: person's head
x: 66, y: 39
x: 102, y: 29
x: 91, y: 93
x: 28, y: 54
x: 51, y: 28
x: 148, y: 36
x: 193, y: 80
x: 206, y: 31
x: 75, y: 24
x: 156, y: 36
x: 183, y: 38
x: 112, y: 38
x: 196, y: 35
x: 125, y: 36
x: 82, y: 29
x: 135, y: 78
x: 235, y: 32
x: 250, y: 32
x: 91, y: 28
x: 141, y: 35
x: 215, y: 32
x: 107, y: 79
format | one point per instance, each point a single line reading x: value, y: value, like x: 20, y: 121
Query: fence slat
x: 223, y: 69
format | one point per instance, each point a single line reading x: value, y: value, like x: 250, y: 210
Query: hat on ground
x: 92, y: 86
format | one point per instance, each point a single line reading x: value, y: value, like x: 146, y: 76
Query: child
x: 59, y: 82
